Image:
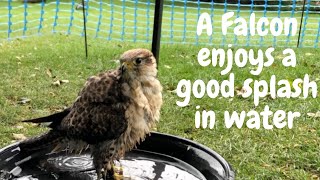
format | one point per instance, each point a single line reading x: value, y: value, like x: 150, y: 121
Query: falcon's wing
x: 97, y: 115
x: 99, y: 112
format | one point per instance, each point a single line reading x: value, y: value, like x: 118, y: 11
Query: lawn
x: 31, y: 67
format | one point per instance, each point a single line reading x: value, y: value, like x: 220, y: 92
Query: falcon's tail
x: 50, y: 139
x: 36, y: 147
x: 55, y: 119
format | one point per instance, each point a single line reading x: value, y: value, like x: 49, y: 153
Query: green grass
x: 254, y: 154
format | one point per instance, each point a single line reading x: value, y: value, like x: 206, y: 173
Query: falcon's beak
x: 126, y: 66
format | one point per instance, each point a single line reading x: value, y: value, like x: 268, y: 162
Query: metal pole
x: 303, y: 8
x: 85, y: 28
x: 157, y: 22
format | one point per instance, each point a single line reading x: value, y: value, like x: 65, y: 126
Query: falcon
x: 113, y: 112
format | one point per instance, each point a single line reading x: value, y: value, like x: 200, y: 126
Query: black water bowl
x: 160, y: 157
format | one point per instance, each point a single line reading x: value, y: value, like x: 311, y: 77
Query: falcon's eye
x: 138, y: 60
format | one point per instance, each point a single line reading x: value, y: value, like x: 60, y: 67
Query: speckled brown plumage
x: 113, y: 112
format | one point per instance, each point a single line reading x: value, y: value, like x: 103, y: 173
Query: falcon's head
x: 137, y: 63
